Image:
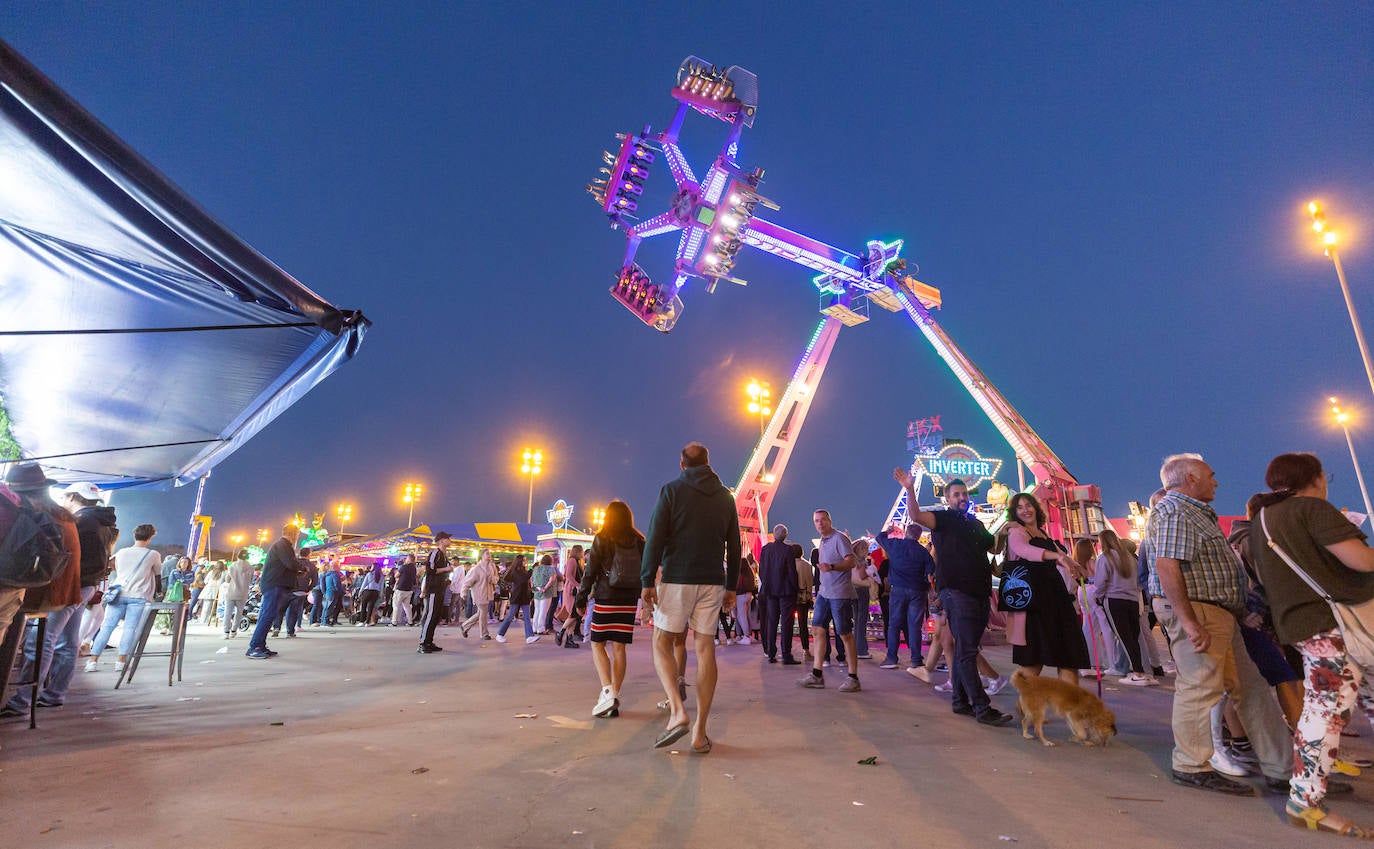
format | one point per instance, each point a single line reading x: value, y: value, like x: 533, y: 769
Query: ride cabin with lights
x: 715, y: 217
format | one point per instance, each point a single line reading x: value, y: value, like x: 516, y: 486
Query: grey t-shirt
x: 836, y: 584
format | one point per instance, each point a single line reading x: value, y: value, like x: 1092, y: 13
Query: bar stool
x: 177, y: 609
x: 40, y: 623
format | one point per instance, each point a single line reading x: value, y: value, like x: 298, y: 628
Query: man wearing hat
x: 96, y: 529
x: 437, y: 570
x: 61, y: 599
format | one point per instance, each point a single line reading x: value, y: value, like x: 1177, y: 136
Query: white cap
x: 88, y: 491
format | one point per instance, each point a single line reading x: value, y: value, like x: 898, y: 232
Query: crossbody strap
x: 1283, y: 555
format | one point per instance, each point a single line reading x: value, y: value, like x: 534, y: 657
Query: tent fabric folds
x: 141, y: 342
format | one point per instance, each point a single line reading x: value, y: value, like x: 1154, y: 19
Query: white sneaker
x: 1222, y: 763
x: 1138, y: 680
x: 744, y: 641
x: 605, y: 703
x: 1170, y: 668
x: 945, y: 687
x: 995, y: 685
x: 225, y: 637
x: 825, y: 664
x: 919, y: 673
x: 532, y: 640
x: 729, y: 641
x: 500, y: 639
x: 119, y: 666
x: 92, y: 665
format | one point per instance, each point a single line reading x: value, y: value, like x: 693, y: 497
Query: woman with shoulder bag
x: 1300, y: 530
x: 612, y: 580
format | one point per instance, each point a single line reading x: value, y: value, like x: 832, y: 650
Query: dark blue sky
x: 1108, y: 197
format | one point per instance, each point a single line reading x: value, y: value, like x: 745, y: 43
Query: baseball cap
x: 88, y: 491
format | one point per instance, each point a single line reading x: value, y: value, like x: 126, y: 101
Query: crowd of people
x: 1267, y: 665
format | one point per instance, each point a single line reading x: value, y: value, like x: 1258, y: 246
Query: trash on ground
x: 521, y: 715
x: 870, y: 761
x: 1007, y: 838
x: 858, y: 804
x: 419, y: 770
x: 276, y: 723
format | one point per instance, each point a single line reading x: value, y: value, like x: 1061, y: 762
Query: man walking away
x: 435, y: 583
x: 694, y: 526
x: 778, y: 595
x: 909, y: 570
x: 405, y: 588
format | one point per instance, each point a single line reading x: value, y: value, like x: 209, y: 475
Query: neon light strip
x: 810, y: 252
x: 656, y: 226
x: 677, y: 163
x: 716, y: 180
x: 695, y: 238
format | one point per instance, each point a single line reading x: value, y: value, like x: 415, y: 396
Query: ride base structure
x: 716, y: 216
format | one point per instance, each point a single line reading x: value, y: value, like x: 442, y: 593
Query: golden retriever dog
x: 1089, y: 720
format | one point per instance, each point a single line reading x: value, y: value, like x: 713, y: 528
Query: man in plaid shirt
x: 1197, y: 589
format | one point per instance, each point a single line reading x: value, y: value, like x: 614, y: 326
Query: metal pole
x: 1369, y: 511
x: 192, y: 542
x: 529, y: 507
x: 1355, y: 322
x: 410, y: 522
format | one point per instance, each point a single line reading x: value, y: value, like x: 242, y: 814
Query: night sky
x: 1108, y: 195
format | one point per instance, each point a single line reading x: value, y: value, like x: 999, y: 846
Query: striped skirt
x: 614, y: 623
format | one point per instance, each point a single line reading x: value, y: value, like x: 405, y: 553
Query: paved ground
x: 350, y: 739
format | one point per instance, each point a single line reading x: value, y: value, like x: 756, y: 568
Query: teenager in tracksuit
x: 437, y: 570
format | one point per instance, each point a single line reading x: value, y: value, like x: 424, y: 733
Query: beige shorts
x: 681, y: 605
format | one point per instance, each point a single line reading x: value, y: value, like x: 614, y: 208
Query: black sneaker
x: 964, y: 710
x: 772, y: 658
x: 1281, y: 785
x: 1215, y: 781
x: 790, y: 661
x: 993, y: 716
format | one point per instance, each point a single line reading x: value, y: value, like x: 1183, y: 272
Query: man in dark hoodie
x: 95, y: 526
x: 694, y: 535
x: 277, y: 582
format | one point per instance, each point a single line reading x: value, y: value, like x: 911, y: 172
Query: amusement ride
x: 716, y: 216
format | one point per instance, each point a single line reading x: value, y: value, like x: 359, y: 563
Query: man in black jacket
x: 694, y: 527
x: 278, y: 582
x: 778, y: 595
x: 437, y: 570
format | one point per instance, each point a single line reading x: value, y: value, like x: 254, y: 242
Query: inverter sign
x: 957, y: 460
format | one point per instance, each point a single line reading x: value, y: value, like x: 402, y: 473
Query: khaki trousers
x: 1203, y: 678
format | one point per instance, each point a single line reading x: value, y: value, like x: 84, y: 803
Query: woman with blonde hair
x: 481, y: 581
x: 1115, y: 590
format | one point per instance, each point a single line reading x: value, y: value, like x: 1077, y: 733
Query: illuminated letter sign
x: 957, y: 460
x: 559, y: 515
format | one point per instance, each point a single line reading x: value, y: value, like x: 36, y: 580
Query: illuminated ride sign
x: 957, y: 460
x: 559, y: 515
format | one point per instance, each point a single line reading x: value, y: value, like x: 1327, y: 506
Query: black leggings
x: 368, y: 605
x: 1125, y: 617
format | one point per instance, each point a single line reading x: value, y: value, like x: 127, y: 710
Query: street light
x: 760, y: 401
x: 237, y: 540
x: 534, y: 464
x: 1342, y: 419
x: 413, y: 491
x: 598, y: 519
x: 1329, y: 239
x: 345, y: 514
x: 262, y: 536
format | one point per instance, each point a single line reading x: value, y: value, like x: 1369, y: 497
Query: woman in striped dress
x: 615, y: 593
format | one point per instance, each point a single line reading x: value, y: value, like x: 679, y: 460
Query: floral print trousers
x: 1333, y: 684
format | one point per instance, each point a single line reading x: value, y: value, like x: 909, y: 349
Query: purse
x: 1355, y: 621
x: 111, y: 594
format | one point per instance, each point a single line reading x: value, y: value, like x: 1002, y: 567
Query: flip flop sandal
x: 1361, y: 763
x: 1345, y: 767
x: 704, y: 749
x: 669, y: 736
x: 1314, y: 819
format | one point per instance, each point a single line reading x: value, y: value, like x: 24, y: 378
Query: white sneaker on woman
x: 532, y: 640
x: 1136, y: 679
x: 92, y: 665
x: 945, y: 687
x: 500, y: 638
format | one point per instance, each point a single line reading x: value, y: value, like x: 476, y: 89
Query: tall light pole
x: 760, y: 401
x: 598, y: 519
x: 1342, y: 419
x: 263, y: 534
x: 534, y: 464
x: 412, y: 494
x: 345, y: 514
x: 237, y: 540
x: 1329, y: 239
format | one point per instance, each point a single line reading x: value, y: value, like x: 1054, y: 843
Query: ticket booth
x: 563, y: 536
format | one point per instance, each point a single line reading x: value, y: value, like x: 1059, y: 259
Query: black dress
x: 1054, y: 636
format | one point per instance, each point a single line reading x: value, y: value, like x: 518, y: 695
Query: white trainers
x: 119, y: 666
x: 744, y: 641
x: 919, y: 673
x: 945, y: 687
x: 532, y: 640
x: 92, y: 665
x: 1222, y: 763
x: 500, y: 639
x: 993, y: 686
x: 1136, y: 679
x: 605, y: 703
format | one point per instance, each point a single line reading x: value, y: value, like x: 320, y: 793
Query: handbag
x: 1355, y: 621
x: 111, y: 594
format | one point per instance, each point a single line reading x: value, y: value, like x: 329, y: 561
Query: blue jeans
x: 906, y: 611
x: 967, y: 617
x: 64, y: 654
x: 861, y: 621
x: 131, y: 611
x: 272, y: 600
x: 45, y: 657
x: 510, y: 617
x: 291, y: 613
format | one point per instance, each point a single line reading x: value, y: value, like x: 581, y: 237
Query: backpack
x: 623, y: 573
x: 31, y: 553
